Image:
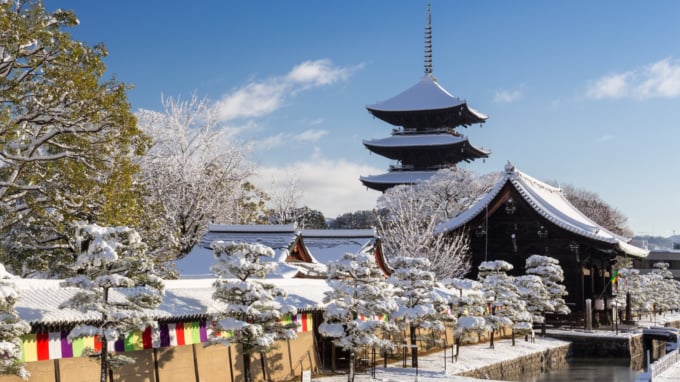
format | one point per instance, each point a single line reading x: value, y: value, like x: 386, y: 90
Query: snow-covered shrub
x: 358, y: 303
x: 115, y: 278
x: 253, y: 307
x: 11, y: 329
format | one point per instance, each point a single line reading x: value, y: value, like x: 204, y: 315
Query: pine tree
x: 357, y: 304
x: 659, y: 287
x: 11, y: 329
x: 630, y: 284
x: 68, y: 140
x: 116, y: 280
x: 541, y: 288
x: 468, y: 306
x: 253, y: 307
x: 552, y: 276
x: 419, y: 305
x: 506, y: 308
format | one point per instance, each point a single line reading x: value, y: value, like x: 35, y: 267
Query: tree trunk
x: 350, y: 375
x: 414, y: 346
x: 104, y: 360
x: 247, y: 376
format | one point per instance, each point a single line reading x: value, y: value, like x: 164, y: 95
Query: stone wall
x: 542, y: 361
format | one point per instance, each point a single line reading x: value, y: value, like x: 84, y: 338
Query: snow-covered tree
x: 468, y: 306
x: 591, y: 205
x: 284, y: 201
x: 359, y: 301
x: 406, y: 226
x: 506, y: 307
x: 408, y: 216
x: 11, y: 329
x: 630, y: 283
x: 659, y: 288
x: 451, y: 191
x: 535, y: 295
x: 66, y: 139
x: 419, y: 305
x: 253, y: 307
x: 193, y: 172
x: 552, y: 276
x: 116, y: 280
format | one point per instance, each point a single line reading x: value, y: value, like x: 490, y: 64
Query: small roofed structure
x: 299, y: 253
x: 424, y: 139
x: 522, y: 216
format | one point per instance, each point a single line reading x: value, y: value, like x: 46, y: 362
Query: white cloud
x: 611, y: 86
x: 318, y: 73
x: 311, y: 135
x: 657, y: 80
x: 252, y: 100
x: 270, y: 142
x: 330, y: 186
x: 605, y: 138
x: 508, y: 96
x: 261, y: 97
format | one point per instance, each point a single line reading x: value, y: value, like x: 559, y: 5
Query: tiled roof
x: 39, y: 300
x: 549, y: 202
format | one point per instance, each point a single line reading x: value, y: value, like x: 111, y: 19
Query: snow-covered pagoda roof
x: 426, y: 97
x: 394, y: 146
x: 39, y: 300
x: 299, y: 253
x: 384, y: 181
x: 549, y: 202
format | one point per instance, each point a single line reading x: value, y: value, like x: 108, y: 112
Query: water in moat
x: 599, y: 370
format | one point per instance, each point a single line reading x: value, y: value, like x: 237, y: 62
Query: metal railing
x: 659, y: 366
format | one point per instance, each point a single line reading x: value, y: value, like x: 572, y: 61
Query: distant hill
x: 657, y: 243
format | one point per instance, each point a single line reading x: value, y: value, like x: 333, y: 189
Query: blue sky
x: 578, y: 92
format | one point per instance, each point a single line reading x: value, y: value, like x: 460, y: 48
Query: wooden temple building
x: 522, y: 216
x: 424, y: 138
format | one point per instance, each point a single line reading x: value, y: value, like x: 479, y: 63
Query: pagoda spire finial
x: 428, y: 42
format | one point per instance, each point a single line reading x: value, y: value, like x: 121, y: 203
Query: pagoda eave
x: 450, y: 153
x: 455, y: 116
x: 390, y: 179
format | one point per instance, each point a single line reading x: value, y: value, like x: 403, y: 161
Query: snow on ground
x: 434, y: 367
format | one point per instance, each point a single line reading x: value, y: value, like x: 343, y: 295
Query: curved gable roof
x: 549, y: 202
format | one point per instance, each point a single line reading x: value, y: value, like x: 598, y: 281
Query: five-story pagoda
x: 424, y: 139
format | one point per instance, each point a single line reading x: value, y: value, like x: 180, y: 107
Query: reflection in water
x: 601, y: 370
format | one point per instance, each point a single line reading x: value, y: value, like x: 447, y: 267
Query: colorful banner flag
x: 55, y: 345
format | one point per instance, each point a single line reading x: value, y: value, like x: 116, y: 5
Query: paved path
x: 435, y: 368
x: 671, y: 374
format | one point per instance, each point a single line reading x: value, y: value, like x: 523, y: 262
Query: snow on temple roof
x: 321, y: 245
x: 331, y: 244
x: 426, y: 94
x: 39, y: 300
x: 549, y: 202
x: 399, y: 177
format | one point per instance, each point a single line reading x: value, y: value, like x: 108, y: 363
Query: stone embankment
x: 535, y: 363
